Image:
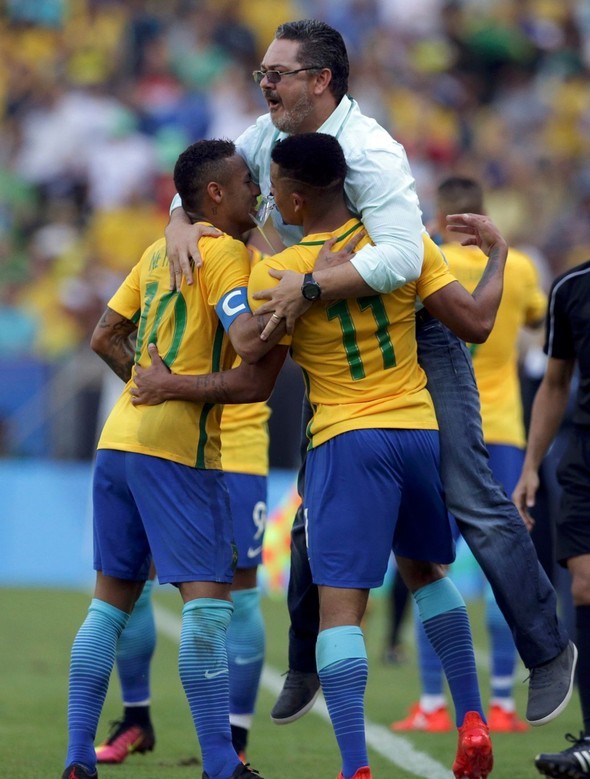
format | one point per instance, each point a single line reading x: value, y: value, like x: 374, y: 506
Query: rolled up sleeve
x: 381, y: 189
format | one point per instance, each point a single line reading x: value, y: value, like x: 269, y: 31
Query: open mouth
x: 272, y: 100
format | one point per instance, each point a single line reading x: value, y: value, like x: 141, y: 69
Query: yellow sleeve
x: 435, y: 271
x: 536, y: 299
x: 261, y: 279
x: 127, y: 299
x: 226, y: 266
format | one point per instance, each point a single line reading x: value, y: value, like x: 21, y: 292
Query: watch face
x: 311, y: 290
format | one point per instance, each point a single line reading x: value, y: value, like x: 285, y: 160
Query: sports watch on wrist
x: 310, y: 289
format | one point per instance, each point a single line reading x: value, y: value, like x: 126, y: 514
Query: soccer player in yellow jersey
x: 244, y: 458
x: 372, y: 480
x: 159, y: 492
x: 495, y: 363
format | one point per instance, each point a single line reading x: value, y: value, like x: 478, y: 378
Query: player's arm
x: 244, y: 384
x: 471, y: 317
x: 182, y: 238
x: 245, y: 335
x: 547, y: 415
x: 244, y: 329
x: 113, y: 340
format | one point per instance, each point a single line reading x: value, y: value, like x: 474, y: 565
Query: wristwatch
x: 310, y: 289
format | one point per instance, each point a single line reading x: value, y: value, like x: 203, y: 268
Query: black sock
x: 399, y: 603
x: 239, y: 738
x: 137, y: 715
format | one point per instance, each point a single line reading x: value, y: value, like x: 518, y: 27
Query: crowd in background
x: 98, y: 97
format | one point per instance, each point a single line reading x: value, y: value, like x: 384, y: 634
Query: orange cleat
x: 361, y: 773
x: 502, y: 721
x: 474, y: 758
x: 437, y: 721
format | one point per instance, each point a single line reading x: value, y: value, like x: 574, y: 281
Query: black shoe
x: 572, y: 763
x: 550, y: 686
x: 297, y: 697
x: 241, y: 772
x: 77, y: 771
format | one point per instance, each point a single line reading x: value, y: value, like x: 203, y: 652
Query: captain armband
x: 232, y: 305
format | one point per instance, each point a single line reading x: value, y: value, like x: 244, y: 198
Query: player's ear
x: 215, y: 191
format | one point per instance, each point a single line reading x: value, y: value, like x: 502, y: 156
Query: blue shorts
x: 368, y: 492
x: 247, y: 497
x: 146, y: 506
x: 506, y: 464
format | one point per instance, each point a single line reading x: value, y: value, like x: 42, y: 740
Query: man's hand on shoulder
x: 182, y: 240
x: 285, y: 301
x: 329, y: 259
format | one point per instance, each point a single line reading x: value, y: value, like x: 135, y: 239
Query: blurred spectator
x: 98, y: 97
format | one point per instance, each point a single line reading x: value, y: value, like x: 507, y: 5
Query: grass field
x: 37, y: 630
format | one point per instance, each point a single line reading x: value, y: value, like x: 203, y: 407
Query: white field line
x: 398, y: 750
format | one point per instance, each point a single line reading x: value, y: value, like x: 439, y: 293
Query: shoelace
x: 576, y: 741
x: 539, y: 676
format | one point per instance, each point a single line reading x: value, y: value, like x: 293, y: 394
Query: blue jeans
x: 487, y: 518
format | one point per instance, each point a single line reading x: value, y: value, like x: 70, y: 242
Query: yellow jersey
x: 190, y: 339
x: 495, y: 362
x: 358, y: 355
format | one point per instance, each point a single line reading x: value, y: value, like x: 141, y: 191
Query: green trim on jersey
x: 339, y: 238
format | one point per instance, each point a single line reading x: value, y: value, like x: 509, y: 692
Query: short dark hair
x: 202, y: 162
x: 321, y: 46
x: 315, y: 159
x: 460, y: 194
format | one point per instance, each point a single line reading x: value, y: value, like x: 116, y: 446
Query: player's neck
x: 221, y: 223
x: 327, y: 221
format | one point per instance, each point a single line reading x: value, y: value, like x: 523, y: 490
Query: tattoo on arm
x: 120, y: 352
x: 494, y: 265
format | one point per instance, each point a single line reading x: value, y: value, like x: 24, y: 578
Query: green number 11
x: 341, y: 311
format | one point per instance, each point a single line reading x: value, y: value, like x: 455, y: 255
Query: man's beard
x: 290, y: 121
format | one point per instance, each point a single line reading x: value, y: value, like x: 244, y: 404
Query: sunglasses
x: 274, y: 76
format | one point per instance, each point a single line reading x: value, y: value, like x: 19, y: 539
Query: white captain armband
x: 232, y: 305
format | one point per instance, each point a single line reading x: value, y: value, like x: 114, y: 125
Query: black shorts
x: 573, y: 475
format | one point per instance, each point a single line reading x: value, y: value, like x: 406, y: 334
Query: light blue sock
x: 135, y: 650
x: 444, y: 616
x: 92, y: 660
x: 503, y: 649
x: 245, y: 651
x: 204, y: 673
x: 342, y: 667
x: 431, y: 672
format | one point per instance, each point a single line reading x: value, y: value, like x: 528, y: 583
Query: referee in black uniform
x: 567, y: 345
